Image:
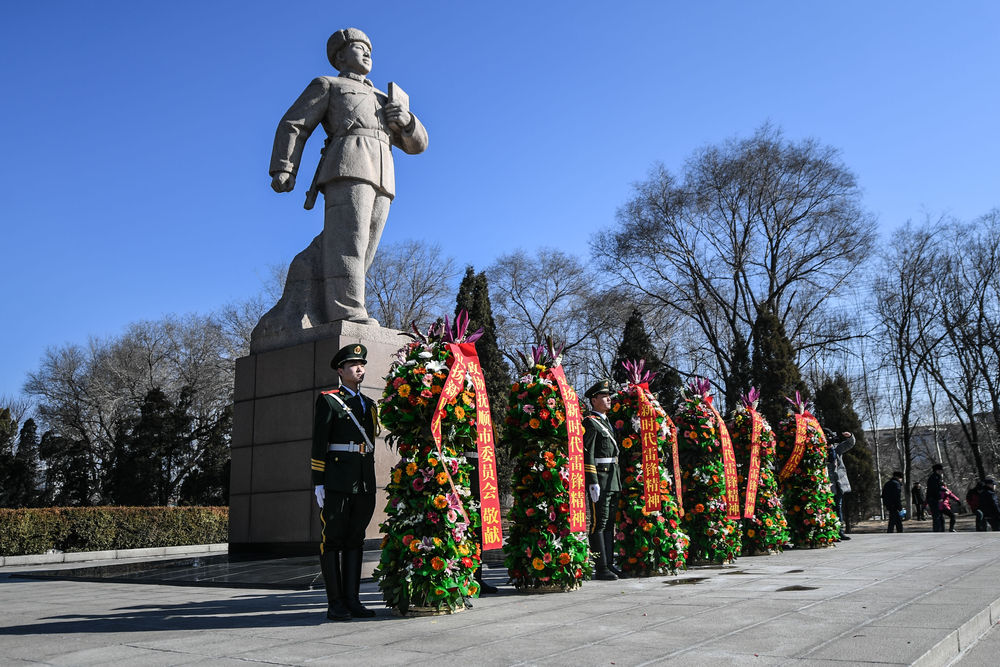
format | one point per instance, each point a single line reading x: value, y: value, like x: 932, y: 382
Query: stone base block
x: 271, y: 508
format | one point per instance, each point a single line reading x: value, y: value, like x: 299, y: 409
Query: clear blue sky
x: 136, y: 136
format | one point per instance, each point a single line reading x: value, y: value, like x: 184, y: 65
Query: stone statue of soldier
x: 355, y: 175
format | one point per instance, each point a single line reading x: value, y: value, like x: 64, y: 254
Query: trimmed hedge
x: 35, y: 531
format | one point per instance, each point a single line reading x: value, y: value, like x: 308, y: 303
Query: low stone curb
x: 961, y: 640
x: 115, y: 554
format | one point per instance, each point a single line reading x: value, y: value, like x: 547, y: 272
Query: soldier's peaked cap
x: 342, y: 38
x: 354, y: 352
x: 600, y: 387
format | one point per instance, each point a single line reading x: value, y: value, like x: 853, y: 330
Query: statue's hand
x: 283, y: 182
x: 397, y: 117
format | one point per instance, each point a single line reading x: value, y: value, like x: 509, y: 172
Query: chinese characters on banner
x: 489, y: 491
x: 649, y: 433
x: 729, y: 468
x: 801, y: 425
x: 753, y: 475
x: 574, y: 427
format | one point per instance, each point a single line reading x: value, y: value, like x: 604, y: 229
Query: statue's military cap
x: 342, y: 38
x: 600, y: 387
x: 355, y: 352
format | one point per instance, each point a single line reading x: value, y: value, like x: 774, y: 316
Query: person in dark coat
x: 934, y: 483
x: 989, y: 505
x: 837, y: 445
x: 892, y: 498
x: 343, y: 475
x: 919, y: 502
x: 600, y: 467
x: 972, y: 500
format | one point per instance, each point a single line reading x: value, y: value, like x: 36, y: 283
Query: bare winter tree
x: 238, y: 318
x: 410, y: 281
x: 91, y: 395
x: 753, y: 222
x: 907, y: 311
x: 553, y: 293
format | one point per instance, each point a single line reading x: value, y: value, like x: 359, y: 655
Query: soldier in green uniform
x: 343, y: 474
x: 600, y: 466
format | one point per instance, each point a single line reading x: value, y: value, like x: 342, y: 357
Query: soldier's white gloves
x: 595, y: 491
x: 320, y: 492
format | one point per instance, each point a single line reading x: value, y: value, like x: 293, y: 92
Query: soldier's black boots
x: 484, y: 588
x: 329, y: 564
x: 352, y: 584
x: 609, y: 549
x: 597, y: 548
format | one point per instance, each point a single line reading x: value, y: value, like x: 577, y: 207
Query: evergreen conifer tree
x: 23, y: 489
x: 636, y: 345
x: 834, y: 407
x: 8, y: 431
x: 474, y: 299
x: 740, y: 373
x: 775, y: 373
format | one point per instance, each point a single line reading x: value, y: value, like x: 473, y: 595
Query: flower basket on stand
x: 429, y: 555
x: 708, y: 479
x: 765, y: 529
x: 648, y: 537
x: 804, y: 481
x: 547, y: 549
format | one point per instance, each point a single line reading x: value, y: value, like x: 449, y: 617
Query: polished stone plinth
x: 271, y: 507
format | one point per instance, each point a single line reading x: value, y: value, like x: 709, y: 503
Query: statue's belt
x: 366, y: 132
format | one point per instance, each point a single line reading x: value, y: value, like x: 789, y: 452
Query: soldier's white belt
x: 353, y: 447
x: 471, y: 455
x: 605, y: 460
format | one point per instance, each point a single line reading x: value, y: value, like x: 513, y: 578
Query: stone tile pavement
x: 915, y: 598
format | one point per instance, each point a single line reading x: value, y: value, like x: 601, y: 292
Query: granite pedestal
x: 271, y: 506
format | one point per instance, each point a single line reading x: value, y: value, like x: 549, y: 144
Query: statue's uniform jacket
x: 343, y: 472
x: 351, y: 111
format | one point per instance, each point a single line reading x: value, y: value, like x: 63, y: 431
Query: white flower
x: 435, y: 366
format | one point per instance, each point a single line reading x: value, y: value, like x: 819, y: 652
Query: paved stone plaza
x: 920, y: 598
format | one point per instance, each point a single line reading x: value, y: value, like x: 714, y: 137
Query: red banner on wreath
x: 574, y: 428
x: 753, y: 474
x: 799, y: 450
x: 675, y: 453
x: 649, y: 434
x: 728, y: 468
x: 489, y: 491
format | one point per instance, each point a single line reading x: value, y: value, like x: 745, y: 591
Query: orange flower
x: 404, y: 390
x: 534, y: 423
x: 459, y: 412
x: 751, y: 532
x: 437, y: 563
x: 538, y: 564
x: 442, y: 478
x: 699, y: 508
x: 564, y: 558
x: 440, y: 502
x: 415, y: 546
x: 627, y: 443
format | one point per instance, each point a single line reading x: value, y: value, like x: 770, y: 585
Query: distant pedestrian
x: 919, y: 502
x: 838, y: 444
x: 989, y: 505
x: 934, y: 483
x: 892, y: 498
x: 944, y: 507
x: 972, y: 500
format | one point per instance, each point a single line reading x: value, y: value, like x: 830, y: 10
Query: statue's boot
x: 352, y: 584
x: 329, y: 564
x: 597, y: 548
